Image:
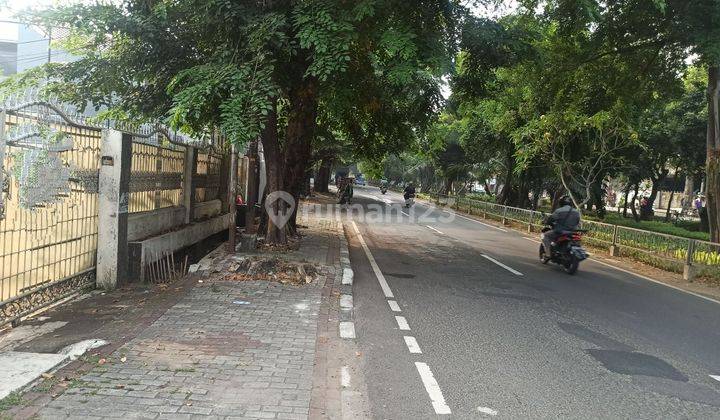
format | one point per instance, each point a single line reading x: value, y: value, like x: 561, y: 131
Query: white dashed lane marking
x: 394, y: 306
x: 432, y: 228
x: 412, y: 345
x: 432, y: 388
x: 402, y: 323
x: 510, y: 269
x: 716, y: 377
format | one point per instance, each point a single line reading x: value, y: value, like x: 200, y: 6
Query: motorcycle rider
x: 346, y: 190
x: 409, y: 193
x: 566, y: 218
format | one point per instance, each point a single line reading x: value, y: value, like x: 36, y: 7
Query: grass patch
x: 651, y: 225
x: 12, y: 400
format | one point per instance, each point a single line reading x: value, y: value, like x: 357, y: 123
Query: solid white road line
x: 531, y: 239
x: 394, y: 306
x: 345, y: 377
x: 412, y: 345
x: 656, y: 281
x: 404, y: 213
x: 512, y: 270
x: 716, y: 377
x: 432, y: 388
x: 432, y: 228
x: 479, y: 222
x: 402, y: 323
x: 487, y: 410
x: 381, y: 278
x: 347, y: 329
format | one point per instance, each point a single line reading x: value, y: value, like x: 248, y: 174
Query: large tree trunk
x: 712, y: 184
x: 323, y: 178
x: 302, y: 122
x: 274, y: 169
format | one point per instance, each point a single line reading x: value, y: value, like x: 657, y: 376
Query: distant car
x: 359, y: 181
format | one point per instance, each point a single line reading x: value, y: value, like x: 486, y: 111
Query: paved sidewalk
x: 227, y: 349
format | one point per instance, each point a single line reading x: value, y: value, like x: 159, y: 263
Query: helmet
x: 565, y: 201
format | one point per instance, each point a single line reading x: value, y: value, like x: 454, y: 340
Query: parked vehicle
x: 566, y: 250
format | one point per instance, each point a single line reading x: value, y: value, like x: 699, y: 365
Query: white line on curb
x: 394, y: 306
x: 512, y: 270
x: 432, y: 228
x: 347, y: 329
x: 432, y: 388
x: 346, y: 301
x: 345, y: 377
x: 381, y: 278
x: 402, y: 323
x: 716, y: 377
x: 348, y: 276
x: 412, y: 345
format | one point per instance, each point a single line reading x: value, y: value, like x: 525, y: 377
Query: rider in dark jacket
x: 409, y: 191
x: 565, y: 218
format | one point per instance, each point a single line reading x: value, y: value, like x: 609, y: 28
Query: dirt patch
x: 272, y: 269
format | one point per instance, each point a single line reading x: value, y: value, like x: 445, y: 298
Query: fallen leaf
x: 102, y: 361
x: 120, y: 386
x: 358, y: 354
x: 123, y: 359
x: 47, y: 375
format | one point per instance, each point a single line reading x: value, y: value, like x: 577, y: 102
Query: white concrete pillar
x: 114, y: 197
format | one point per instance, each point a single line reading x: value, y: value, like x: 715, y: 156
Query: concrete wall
x: 207, y: 209
x: 149, y: 223
x: 144, y: 252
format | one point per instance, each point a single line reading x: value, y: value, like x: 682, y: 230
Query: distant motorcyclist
x: 346, y: 191
x: 409, y: 194
x: 566, y: 218
x: 409, y: 191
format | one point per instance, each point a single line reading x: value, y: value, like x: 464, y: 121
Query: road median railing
x: 690, y: 257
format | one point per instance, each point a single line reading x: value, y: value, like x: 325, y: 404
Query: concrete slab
x: 20, y: 369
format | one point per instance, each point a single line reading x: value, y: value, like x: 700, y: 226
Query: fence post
x: 532, y: 213
x: 614, y: 250
x: 189, y: 169
x: 688, y: 268
x: 113, y: 200
x: 231, y: 194
x: 504, y: 214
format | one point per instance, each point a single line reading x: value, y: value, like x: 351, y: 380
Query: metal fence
x: 49, y: 176
x: 673, y: 253
x: 207, y: 178
x: 156, y: 176
x: 49, y: 221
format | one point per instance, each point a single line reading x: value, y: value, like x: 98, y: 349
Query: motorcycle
x: 566, y: 250
x: 409, y: 200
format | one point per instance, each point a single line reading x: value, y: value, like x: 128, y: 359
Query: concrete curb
x: 347, y: 312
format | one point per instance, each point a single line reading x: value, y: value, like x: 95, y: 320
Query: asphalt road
x: 487, y: 331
